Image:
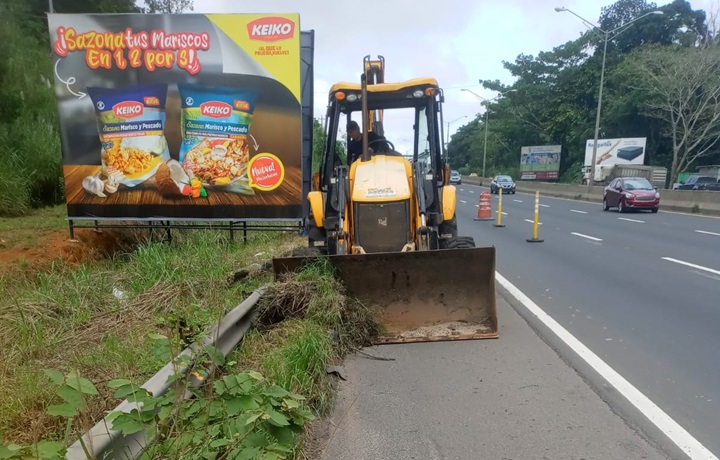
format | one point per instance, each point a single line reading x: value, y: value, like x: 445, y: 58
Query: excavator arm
x: 374, y: 74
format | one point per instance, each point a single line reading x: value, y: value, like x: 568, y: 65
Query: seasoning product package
x: 131, y: 125
x: 215, y: 129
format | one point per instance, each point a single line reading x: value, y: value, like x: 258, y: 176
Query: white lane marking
x: 520, y: 201
x: 681, y: 437
x: 543, y: 205
x: 504, y: 214
x: 532, y: 222
x: 699, y: 267
x: 465, y: 202
x: 477, y: 205
x: 579, y: 212
x: 586, y: 236
x: 707, y: 233
x: 632, y: 220
x: 472, y: 191
x: 462, y: 189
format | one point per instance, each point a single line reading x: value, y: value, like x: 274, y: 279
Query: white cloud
x: 455, y: 41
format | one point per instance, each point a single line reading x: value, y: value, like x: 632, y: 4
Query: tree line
x: 662, y: 82
x: 30, y: 156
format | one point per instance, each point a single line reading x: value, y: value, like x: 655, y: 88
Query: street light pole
x: 591, y: 178
x: 486, y: 123
x: 487, y: 116
x: 606, y: 36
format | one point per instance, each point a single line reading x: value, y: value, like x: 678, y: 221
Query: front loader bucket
x: 422, y: 296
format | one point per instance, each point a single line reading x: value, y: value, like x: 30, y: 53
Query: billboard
x: 177, y: 117
x: 540, y: 162
x: 616, y: 151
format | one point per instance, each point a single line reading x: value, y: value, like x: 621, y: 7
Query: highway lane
x: 672, y: 235
x: 655, y: 321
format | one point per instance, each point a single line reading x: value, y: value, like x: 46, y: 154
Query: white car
x: 455, y: 178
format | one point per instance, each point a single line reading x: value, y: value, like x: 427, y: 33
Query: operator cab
x: 384, y: 201
x: 421, y: 95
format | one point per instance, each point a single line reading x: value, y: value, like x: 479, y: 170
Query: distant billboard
x: 540, y: 162
x: 624, y: 151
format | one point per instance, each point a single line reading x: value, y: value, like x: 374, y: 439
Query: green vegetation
x: 75, y: 340
x: 653, y: 78
x: 31, y: 160
x: 94, y: 318
x: 319, y: 144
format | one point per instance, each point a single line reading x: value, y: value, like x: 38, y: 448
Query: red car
x: 627, y: 193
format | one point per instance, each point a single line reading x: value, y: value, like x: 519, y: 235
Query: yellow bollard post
x: 499, y: 211
x: 535, y: 238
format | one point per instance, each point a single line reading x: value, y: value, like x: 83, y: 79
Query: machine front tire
x: 449, y: 227
x: 460, y: 242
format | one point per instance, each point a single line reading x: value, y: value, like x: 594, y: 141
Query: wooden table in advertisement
x: 144, y: 201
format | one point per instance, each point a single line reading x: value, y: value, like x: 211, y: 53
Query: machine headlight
x: 418, y: 93
x: 352, y: 97
x: 629, y: 195
x: 657, y: 195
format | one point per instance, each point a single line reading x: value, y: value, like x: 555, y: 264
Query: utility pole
x: 486, y: 122
x: 606, y: 37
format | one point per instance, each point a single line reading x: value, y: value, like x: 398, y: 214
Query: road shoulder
x: 510, y: 398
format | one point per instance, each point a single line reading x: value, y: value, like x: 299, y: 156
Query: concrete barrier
x: 691, y: 201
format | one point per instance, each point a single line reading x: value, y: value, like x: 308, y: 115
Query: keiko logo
x: 128, y: 109
x: 271, y: 29
x: 216, y: 109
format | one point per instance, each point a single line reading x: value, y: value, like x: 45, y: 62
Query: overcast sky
x: 455, y: 41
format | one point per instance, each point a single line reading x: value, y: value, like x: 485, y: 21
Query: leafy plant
x: 73, y: 390
x: 238, y: 416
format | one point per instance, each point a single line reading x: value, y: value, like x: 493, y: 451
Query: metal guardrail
x: 104, y: 443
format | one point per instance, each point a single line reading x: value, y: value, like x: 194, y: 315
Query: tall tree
x: 168, y: 6
x: 679, y: 24
x: 683, y: 89
x: 320, y: 143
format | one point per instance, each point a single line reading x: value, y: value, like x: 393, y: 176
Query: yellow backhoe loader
x: 387, y: 223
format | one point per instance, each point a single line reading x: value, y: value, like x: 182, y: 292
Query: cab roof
x: 385, y: 87
x: 384, y: 95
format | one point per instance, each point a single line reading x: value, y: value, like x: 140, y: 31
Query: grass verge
x: 95, y: 316
x: 303, y: 324
x: 89, y: 333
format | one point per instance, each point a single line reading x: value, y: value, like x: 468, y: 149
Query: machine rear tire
x: 460, y: 242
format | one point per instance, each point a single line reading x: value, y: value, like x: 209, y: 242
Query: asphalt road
x: 641, y: 290
x: 507, y: 399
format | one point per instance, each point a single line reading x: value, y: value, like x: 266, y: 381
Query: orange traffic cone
x: 484, y: 207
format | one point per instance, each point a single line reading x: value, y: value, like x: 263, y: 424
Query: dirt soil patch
x: 37, y: 250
